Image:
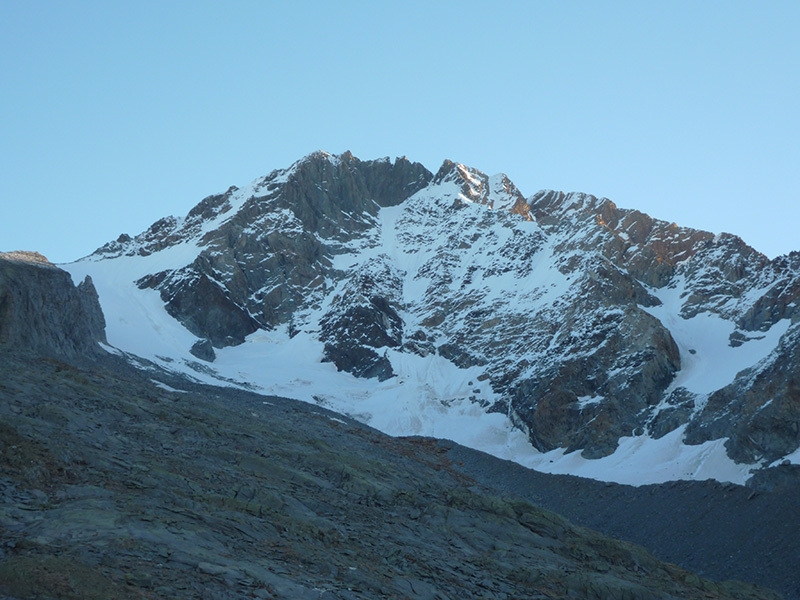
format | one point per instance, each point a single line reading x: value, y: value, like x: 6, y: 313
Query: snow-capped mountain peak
x: 450, y: 305
x: 496, y: 192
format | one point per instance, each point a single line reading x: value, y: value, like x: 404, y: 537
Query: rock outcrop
x: 43, y: 312
x: 363, y: 319
x: 759, y: 412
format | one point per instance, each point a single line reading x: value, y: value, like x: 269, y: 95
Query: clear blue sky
x: 114, y: 114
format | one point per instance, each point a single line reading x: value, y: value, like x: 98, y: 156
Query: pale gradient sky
x: 114, y: 114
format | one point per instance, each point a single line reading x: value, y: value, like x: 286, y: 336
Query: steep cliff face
x: 42, y: 312
x: 581, y: 322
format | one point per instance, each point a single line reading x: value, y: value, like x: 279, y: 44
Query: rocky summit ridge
x: 581, y: 322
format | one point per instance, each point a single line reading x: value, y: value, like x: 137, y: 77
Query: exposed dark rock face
x: 42, y: 311
x: 581, y: 407
x: 204, y: 350
x: 203, y: 306
x: 759, y: 412
x: 364, y: 318
x: 783, y: 478
x: 267, y: 260
x: 615, y: 365
x: 679, y: 407
x: 780, y: 301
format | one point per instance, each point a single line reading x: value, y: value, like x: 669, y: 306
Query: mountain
x: 556, y: 330
x: 123, y: 482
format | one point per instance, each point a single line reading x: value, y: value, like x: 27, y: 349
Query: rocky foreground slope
x: 123, y: 483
